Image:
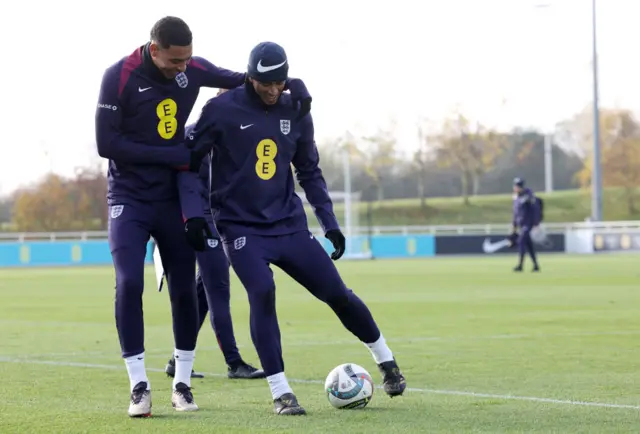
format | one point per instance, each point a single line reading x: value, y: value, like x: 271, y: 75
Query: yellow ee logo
x: 266, y: 152
x: 168, y: 124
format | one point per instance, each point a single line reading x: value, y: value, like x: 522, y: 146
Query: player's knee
x: 223, y: 294
x: 183, y: 294
x: 219, y: 292
x: 262, y: 297
x: 340, y: 299
x: 220, y: 316
x: 129, y: 287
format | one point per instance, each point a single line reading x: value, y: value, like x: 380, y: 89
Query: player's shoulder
x: 227, y: 99
x: 285, y: 99
x: 126, y: 64
x: 121, y: 71
x: 286, y: 104
x: 199, y: 68
x: 199, y: 63
x: 216, y: 106
x: 231, y: 96
x: 287, y: 108
x: 212, y: 104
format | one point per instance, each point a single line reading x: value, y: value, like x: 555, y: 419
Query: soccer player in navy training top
x: 145, y: 100
x: 213, y: 287
x: 526, y: 217
x: 255, y: 137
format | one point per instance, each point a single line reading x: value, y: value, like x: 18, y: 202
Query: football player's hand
x: 338, y: 241
x: 300, y: 97
x: 197, y: 231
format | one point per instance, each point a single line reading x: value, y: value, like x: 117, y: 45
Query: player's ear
x: 153, y: 49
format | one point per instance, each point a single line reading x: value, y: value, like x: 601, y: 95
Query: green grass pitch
x: 483, y: 350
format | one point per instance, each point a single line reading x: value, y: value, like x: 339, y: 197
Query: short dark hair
x: 170, y: 31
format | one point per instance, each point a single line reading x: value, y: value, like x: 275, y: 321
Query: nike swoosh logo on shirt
x: 244, y: 127
x: 261, y: 68
x: 142, y: 90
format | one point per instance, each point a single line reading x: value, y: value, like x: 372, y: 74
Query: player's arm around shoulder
x: 211, y: 75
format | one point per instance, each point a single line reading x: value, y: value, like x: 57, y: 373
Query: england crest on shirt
x: 182, y: 80
x: 285, y: 126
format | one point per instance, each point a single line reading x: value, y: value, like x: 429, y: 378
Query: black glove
x: 300, y: 97
x: 197, y: 231
x: 338, y: 241
x: 305, y: 108
x: 513, y: 238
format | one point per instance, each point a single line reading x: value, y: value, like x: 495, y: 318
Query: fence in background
x: 92, y: 248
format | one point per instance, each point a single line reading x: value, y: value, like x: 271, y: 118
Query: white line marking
x: 409, y: 340
x: 4, y: 359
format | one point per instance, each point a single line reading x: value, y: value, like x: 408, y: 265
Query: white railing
x: 494, y: 228
x: 500, y: 228
x: 52, y: 236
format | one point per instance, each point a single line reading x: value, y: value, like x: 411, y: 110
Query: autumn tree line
x: 456, y: 157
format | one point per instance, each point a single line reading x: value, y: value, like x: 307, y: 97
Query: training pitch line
x: 392, y: 341
x: 4, y: 359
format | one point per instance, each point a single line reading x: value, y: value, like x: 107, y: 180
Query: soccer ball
x: 349, y: 386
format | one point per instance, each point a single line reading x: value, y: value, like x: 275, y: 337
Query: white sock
x: 380, y: 350
x: 279, y: 385
x: 136, y: 370
x: 184, y: 366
